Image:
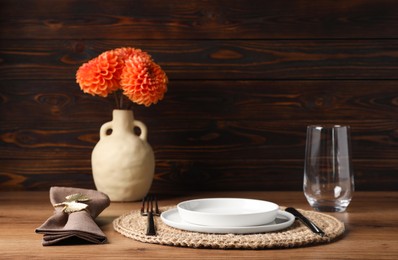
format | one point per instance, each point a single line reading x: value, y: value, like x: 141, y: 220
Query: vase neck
x: 122, y: 120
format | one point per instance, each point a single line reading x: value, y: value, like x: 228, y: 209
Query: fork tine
x: 148, y: 201
x: 143, y: 206
x: 151, y: 203
x: 157, y: 211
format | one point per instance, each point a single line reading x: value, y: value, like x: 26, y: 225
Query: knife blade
x: 314, y: 228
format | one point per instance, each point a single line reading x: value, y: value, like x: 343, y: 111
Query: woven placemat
x: 133, y: 225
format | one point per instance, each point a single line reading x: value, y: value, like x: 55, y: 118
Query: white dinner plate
x: 227, y: 212
x: 172, y: 218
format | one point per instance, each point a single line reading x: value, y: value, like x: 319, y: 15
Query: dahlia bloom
x: 143, y: 81
x: 100, y: 76
x: 129, y: 70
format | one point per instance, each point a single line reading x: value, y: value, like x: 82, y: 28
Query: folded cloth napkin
x: 73, y: 219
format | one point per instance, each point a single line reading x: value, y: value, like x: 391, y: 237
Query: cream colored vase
x: 123, y: 163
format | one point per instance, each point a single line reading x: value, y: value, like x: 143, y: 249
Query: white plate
x: 227, y: 212
x: 172, y: 218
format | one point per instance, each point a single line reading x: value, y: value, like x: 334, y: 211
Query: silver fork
x: 150, y: 208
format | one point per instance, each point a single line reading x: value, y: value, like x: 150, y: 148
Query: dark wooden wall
x: 246, y: 78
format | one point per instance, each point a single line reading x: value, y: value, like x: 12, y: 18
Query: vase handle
x: 142, y: 127
x: 104, y: 128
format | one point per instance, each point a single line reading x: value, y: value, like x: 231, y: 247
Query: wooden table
x: 371, y: 222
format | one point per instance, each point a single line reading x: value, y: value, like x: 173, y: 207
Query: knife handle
x: 314, y: 228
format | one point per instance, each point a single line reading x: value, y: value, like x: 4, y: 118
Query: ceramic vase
x: 123, y: 163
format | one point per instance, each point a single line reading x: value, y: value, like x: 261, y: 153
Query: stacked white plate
x: 227, y: 215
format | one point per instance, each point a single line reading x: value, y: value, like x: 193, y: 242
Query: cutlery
x: 314, y: 228
x: 150, y: 208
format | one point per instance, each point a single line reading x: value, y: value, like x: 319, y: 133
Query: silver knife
x: 314, y: 228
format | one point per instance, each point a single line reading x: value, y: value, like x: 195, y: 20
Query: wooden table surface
x: 371, y: 223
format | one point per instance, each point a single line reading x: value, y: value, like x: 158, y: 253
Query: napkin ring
x: 73, y: 203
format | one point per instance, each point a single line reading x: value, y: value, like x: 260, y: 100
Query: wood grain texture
x: 233, y: 113
x: 200, y: 130
x: 246, y: 78
x: 189, y: 175
x: 370, y: 232
x: 198, y: 19
x: 62, y: 102
x: 215, y: 59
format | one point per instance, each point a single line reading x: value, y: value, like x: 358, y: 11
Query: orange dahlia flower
x: 131, y: 70
x: 125, y: 53
x: 143, y: 81
x: 101, y: 75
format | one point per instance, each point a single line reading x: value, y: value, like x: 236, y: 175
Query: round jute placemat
x: 133, y: 225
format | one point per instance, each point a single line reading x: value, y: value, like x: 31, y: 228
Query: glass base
x: 329, y: 205
x: 329, y: 208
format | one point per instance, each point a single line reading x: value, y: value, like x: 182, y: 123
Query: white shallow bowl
x: 227, y: 212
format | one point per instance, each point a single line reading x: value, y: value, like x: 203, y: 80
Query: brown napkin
x: 77, y: 226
